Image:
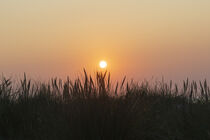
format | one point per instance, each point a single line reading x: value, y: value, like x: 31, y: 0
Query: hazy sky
x: 139, y: 38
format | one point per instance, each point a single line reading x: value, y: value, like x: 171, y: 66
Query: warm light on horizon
x: 103, y: 64
x: 136, y: 38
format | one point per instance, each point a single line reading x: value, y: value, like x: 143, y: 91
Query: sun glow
x: 103, y: 64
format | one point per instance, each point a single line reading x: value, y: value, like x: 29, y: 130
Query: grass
x: 96, y: 109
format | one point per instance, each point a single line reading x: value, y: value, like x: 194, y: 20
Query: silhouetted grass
x: 96, y: 109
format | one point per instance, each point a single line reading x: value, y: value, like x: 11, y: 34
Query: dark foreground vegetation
x: 96, y: 109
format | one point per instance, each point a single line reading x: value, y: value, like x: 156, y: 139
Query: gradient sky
x: 138, y: 38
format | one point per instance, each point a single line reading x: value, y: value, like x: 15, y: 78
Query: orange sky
x: 140, y: 39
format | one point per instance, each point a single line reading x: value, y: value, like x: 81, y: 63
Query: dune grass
x: 97, y: 109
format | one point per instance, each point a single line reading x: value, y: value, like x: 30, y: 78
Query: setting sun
x: 103, y: 64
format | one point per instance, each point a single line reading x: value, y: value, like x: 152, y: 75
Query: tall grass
x: 96, y: 109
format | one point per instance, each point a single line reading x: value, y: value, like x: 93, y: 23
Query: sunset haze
x: 137, y: 38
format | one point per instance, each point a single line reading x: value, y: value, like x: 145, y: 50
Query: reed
x: 95, y: 109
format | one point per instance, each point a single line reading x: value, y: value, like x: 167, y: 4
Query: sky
x: 137, y: 38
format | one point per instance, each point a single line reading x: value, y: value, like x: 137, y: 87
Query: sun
x: 103, y: 64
